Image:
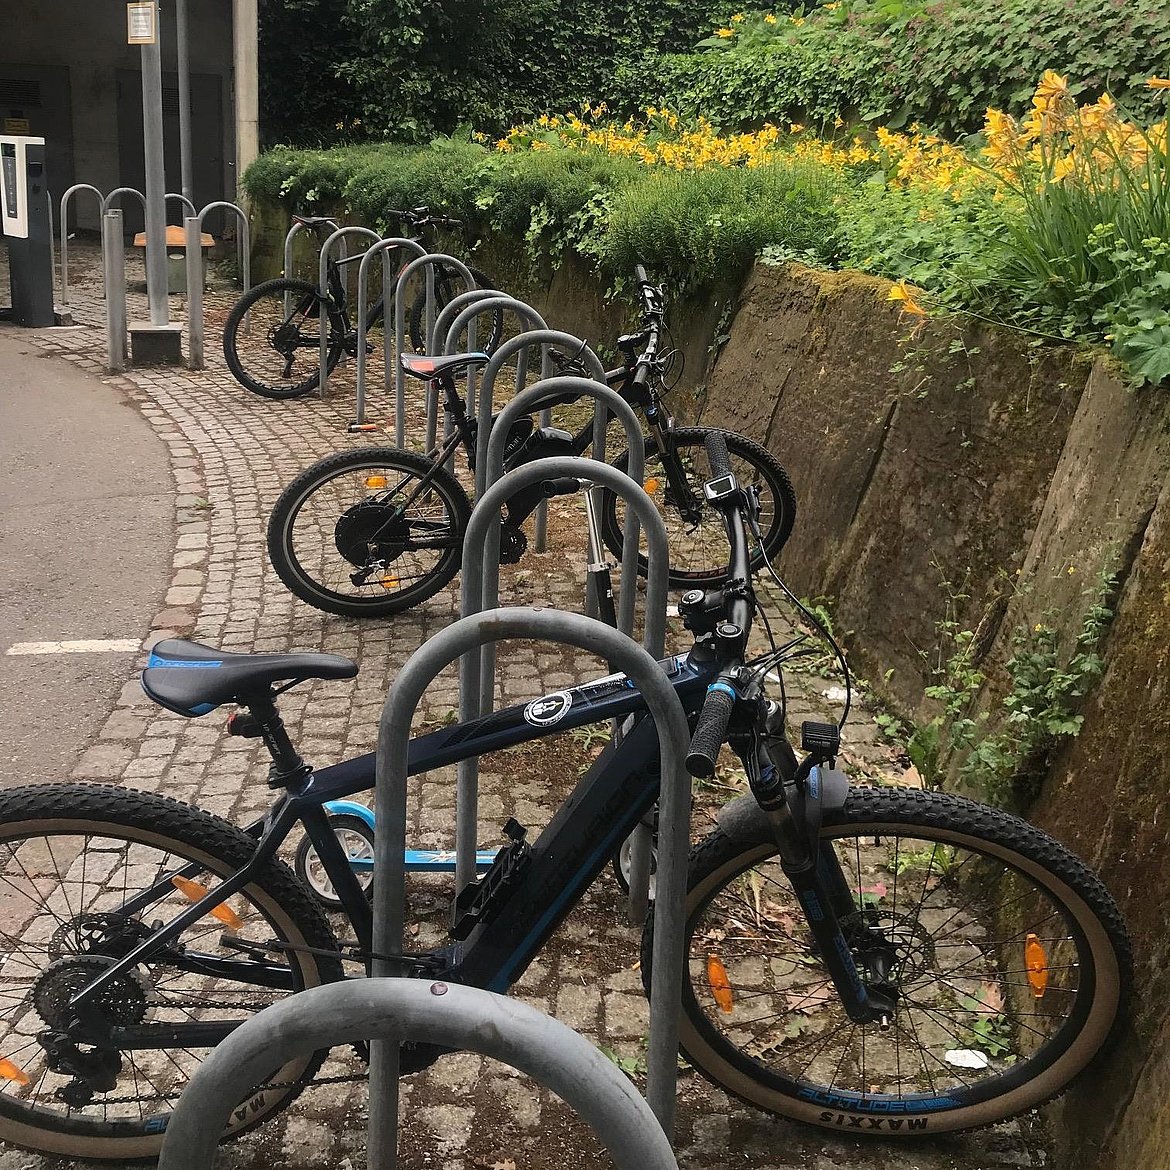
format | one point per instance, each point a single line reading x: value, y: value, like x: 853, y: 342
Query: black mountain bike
x: 272, y: 340
x: 375, y: 530
x: 880, y: 960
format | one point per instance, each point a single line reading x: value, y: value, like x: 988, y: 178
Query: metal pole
x: 114, y: 271
x: 192, y: 225
x: 152, y: 149
x: 184, y: 98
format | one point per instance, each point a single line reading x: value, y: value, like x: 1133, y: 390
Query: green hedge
x: 940, y: 63
x: 696, y: 228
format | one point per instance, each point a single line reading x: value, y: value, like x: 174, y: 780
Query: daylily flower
x: 903, y: 295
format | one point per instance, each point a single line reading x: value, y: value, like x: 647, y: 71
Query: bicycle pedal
x: 820, y: 739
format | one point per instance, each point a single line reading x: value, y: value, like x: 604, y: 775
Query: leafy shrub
x: 895, y: 61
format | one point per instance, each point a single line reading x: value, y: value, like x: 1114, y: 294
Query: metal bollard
x: 192, y: 226
x: 114, y: 272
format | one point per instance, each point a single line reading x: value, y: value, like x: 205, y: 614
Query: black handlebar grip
x: 717, y: 457
x: 560, y: 487
x: 640, y: 274
x: 710, y: 731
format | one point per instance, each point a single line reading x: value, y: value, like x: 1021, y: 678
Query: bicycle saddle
x: 191, y: 679
x: 428, y: 368
x: 312, y: 221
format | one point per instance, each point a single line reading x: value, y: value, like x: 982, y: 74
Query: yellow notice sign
x: 16, y: 126
x: 141, y: 23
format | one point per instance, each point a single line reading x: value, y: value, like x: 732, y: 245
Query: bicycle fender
x: 342, y: 808
x: 743, y: 820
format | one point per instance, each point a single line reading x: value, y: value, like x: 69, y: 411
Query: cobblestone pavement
x: 231, y: 453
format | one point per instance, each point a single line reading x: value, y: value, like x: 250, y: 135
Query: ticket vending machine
x: 24, y: 217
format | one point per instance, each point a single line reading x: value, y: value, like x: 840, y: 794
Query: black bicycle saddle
x: 191, y: 679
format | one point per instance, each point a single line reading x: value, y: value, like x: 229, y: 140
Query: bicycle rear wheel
x: 343, y: 538
x: 1010, y: 968
x: 271, y: 339
x: 72, y: 859
x: 445, y: 293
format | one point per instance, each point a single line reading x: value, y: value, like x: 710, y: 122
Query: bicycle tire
x: 778, y: 508
x: 324, y: 538
x: 106, y: 835
x: 1009, y: 852
x: 307, y: 864
x: 307, y: 302
x: 419, y: 307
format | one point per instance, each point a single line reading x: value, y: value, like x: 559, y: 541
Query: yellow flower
x: 770, y: 18
x: 797, y: 20
x: 902, y: 294
x: 1052, y: 88
x: 737, y: 18
x: 725, y: 32
x: 838, y: 121
x: 1159, y: 83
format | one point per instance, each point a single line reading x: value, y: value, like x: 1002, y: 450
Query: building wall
x: 88, y: 41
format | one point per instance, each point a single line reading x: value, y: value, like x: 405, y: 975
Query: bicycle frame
x: 607, y: 803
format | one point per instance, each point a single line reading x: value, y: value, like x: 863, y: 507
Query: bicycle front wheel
x: 369, y: 532
x: 79, y: 867
x: 1008, y: 962
x: 272, y: 340
x: 698, y: 546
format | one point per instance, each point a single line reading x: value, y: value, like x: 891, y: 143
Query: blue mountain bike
x: 880, y: 960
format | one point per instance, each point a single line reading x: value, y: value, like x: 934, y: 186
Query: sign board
x: 13, y: 180
x: 142, y: 23
x: 16, y: 126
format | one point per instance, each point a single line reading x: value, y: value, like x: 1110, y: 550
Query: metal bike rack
x: 411, y: 683
x: 243, y: 238
x: 188, y: 206
x: 117, y: 192
x: 387, y: 1010
x: 388, y: 288
x: 290, y: 235
x: 65, y: 231
x: 446, y: 315
x: 114, y: 273
x: 427, y: 263
x: 323, y: 285
x: 193, y: 239
x: 481, y: 573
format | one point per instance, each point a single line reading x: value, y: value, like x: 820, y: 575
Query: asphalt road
x: 86, y: 538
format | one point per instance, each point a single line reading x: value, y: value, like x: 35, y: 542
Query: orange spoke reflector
x: 650, y: 487
x: 10, y: 1072
x: 719, y: 983
x: 376, y: 482
x: 194, y: 891
x: 389, y: 582
x: 1036, y: 965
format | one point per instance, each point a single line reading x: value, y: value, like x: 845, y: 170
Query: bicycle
x: 275, y: 325
x: 981, y: 962
x: 374, y: 531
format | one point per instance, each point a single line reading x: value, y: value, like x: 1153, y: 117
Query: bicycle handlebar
x: 731, y: 634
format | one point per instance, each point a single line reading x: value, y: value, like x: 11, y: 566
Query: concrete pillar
x: 246, y: 53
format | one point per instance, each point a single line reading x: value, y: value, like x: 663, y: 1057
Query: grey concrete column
x: 246, y: 54
x: 184, y: 54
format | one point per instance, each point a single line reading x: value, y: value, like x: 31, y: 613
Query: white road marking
x: 83, y: 646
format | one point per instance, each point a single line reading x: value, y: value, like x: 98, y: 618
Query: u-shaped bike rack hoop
x: 482, y: 565
x: 64, y: 225
x: 416, y: 676
x: 464, y: 1018
x: 323, y: 287
x: 363, y: 300
x: 193, y: 240
x: 428, y: 264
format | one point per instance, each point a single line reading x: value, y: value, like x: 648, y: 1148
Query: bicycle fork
x: 795, y: 808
